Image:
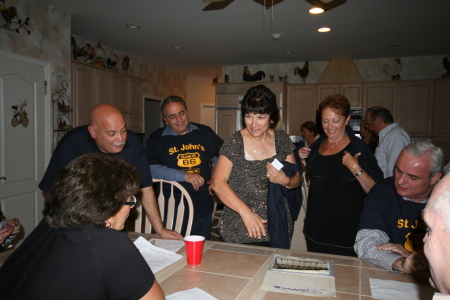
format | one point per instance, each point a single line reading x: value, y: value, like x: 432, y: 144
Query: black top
x: 79, y: 262
x: 79, y: 141
x: 190, y: 152
x: 335, y: 198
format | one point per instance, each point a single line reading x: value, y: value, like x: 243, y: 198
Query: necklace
x: 332, y: 145
x: 256, y: 151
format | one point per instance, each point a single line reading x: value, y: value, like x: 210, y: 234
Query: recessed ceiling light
x: 133, y: 26
x: 395, y: 46
x: 177, y: 47
x: 316, y: 10
x: 288, y: 52
x: 324, y: 29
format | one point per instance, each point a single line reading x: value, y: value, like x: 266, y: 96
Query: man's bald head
x: 108, y: 128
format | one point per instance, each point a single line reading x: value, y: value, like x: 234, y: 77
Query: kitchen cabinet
x: 302, y: 104
x: 441, y: 123
x: 92, y: 85
x: 352, y: 91
x: 228, y: 113
x: 83, y: 99
x: 102, y: 85
x: 441, y: 120
x: 415, y: 107
x: 228, y: 97
x: 381, y: 94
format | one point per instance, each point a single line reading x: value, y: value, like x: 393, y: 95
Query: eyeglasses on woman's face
x: 131, y: 203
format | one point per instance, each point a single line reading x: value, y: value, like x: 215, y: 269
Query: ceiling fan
x: 221, y: 4
x: 324, y: 4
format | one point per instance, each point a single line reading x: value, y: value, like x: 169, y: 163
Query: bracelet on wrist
x: 286, y: 186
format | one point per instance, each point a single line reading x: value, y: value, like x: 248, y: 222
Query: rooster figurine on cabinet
x: 394, y: 70
x: 99, y: 56
x: 112, y: 63
x: 125, y: 64
x: 247, y: 76
x: 302, y: 72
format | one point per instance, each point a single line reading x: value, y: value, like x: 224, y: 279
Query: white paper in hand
x: 276, y: 163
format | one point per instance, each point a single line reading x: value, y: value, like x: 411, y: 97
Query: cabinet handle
x: 2, y: 178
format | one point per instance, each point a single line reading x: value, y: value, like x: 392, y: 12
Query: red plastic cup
x: 194, y: 249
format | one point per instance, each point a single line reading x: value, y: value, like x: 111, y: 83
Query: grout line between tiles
x: 360, y: 279
x: 249, y: 278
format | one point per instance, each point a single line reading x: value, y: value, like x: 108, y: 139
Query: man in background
x: 107, y: 133
x: 392, y: 138
x: 391, y: 228
x: 437, y: 240
x: 182, y: 151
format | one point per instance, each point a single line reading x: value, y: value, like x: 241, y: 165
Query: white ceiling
x: 240, y: 34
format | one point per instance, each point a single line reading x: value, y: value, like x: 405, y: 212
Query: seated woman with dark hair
x: 77, y: 250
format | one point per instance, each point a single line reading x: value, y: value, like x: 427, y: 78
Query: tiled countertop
x: 231, y: 271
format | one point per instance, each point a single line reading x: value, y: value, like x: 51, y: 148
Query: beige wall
x: 48, y: 41
x: 413, y: 68
x: 199, y: 90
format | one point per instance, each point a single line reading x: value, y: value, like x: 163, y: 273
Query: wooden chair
x: 173, y: 221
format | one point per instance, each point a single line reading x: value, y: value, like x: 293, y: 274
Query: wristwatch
x: 358, y: 173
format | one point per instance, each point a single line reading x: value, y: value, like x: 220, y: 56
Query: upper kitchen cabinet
x: 102, y: 82
x: 83, y: 91
x: 302, y: 106
x: 120, y: 90
x: 228, y: 104
x: 92, y: 85
x: 415, y: 107
x: 381, y: 94
x: 441, y: 121
x: 353, y: 92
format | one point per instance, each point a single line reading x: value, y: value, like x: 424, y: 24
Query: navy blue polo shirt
x: 79, y: 141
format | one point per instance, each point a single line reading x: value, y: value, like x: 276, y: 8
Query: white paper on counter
x: 192, y: 294
x: 439, y: 296
x: 394, y: 290
x: 300, y: 284
x: 155, y: 257
x: 171, y: 245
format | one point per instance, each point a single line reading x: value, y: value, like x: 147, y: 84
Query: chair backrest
x: 168, y: 211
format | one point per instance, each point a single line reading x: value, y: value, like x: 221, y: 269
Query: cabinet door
x: 226, y: 122
x: 301, y: 106
x: 325, y: 90
x: 120, y: 92
x: 82, y: 93
x: 415, y: 107
x: 381, y: 94
x: 441, y: 122
x: 135, y: 107
x: 228, y: 100
x: 102, y: 90
x: 353, y: 92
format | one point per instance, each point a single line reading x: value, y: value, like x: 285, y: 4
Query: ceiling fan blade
x: 326, y: 4
x: 217, y: 5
